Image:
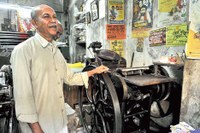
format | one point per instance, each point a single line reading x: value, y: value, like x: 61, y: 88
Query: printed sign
x: 157, y: 37
x: 177, y: 35
x: 117, y: 46
x: 116, y: 11
x: 115, y: 32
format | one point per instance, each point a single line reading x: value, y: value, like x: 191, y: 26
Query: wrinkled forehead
x: 44, y: 9
x: 47, y: 9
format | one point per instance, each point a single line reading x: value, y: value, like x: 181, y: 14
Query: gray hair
x: 34, y: 12
x: 36, y: 9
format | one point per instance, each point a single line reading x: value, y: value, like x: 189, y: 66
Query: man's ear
x: 34, y: 23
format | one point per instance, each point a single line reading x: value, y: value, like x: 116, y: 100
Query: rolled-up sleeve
x: 23, y: 93
x: 72, y: 78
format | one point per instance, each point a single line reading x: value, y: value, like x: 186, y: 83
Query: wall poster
x: 177, y: 35
x: 171, y: 12
x: 115, y: 31
x: 157, y: 37
x: 24, y: 21
x: 140, y: 45
x: 117, y: 46
x: 142, y: 13
x: 192, y: 47
x: 116, y: 11
x: 140, y: 32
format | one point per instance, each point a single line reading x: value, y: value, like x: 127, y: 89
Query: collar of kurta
x: 43, y: 41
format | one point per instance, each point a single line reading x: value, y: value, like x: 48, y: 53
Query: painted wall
x: 190, y: 105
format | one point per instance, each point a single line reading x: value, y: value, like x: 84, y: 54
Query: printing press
x: 128, y: 100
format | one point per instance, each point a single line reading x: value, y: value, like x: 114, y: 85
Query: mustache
x: 52, y: 26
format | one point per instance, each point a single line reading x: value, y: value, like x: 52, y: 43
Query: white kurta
x: 39, y: 70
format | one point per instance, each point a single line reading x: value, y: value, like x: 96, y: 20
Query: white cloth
x: 64, y: 130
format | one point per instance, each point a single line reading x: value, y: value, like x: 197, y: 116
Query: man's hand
x: 101, y: 69
x: 98, y: 70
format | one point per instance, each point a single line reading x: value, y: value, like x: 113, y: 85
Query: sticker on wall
x: 140, y: 45
x: 177, y: 35
x: 142, y: 13
x: 157, y: 37
x: 117, y: 46
x: 116, y: 11
x: 115, y: 31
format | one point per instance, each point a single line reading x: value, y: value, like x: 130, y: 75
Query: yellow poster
x: 177, y: 35
x: 167, y: 5
x: 192, y: 46
x: 117, y: 46
x: 116, y: 11
x: 140, y: 32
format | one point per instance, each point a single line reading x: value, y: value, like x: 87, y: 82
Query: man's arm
x: 23, y: 94
x: 35, y: 127
x: 97, y: 70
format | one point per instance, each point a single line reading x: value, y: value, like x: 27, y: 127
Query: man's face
x: 46, y: 22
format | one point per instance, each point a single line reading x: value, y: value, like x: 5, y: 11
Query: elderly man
x: 39, y: 71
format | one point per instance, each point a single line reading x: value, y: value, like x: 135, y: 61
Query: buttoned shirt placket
x: 59, y: 80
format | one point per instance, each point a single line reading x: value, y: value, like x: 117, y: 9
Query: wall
x: 96, y: 31
x: 190, y: 105
x: 56, y: 4
x: 72, y: 47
